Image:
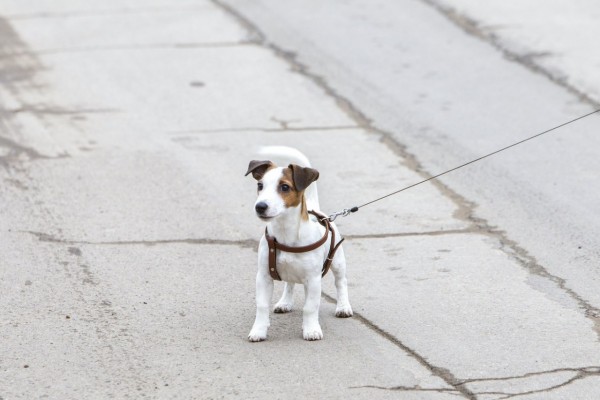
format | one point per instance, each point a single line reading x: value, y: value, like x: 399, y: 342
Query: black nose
x: 261, y: 207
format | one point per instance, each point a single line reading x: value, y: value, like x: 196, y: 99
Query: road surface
x: 127, y: 230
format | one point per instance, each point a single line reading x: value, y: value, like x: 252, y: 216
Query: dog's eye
x: 285, y: 188
x: 260, y: 186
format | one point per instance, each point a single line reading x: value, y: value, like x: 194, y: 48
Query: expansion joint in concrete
x: 37, y: 110
x: 44, y: 237
x: 150, y: 46
x: 263, y: 129
x: 100, y: 12
x: 409, y: 234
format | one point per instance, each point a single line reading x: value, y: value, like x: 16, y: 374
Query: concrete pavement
x: 128, y: 236
x: 554, y: 40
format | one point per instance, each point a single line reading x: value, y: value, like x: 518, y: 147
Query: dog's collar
x: 274, y: 246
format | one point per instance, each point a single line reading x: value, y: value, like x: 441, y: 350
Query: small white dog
x: 299, y: 243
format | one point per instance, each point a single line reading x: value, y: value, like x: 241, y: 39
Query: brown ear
x: 303, y: 176
x: 258, y: 168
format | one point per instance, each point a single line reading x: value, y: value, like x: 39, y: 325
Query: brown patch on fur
x: 293, y: 197
x: 304, y: 210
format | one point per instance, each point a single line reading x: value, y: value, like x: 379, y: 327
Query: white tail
x: 282, y: 156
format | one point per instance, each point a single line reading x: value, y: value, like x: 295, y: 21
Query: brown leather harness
x: 274, y: 246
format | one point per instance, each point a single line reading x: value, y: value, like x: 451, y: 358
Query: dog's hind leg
x: 338, y: 267
x: 284, y: 305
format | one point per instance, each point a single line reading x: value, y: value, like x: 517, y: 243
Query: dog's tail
x: 283, y: 155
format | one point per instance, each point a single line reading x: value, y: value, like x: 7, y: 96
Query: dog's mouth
x: 264, y: 217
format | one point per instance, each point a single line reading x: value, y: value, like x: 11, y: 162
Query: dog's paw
x: 313, y: 333
x: 256, y: 338
x: 343, y: 311
x: 257, y: 335
x: 282, y: 308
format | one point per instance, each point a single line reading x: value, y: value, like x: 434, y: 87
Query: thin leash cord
x: 354, y: 209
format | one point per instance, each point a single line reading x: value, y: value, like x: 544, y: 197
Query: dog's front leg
x: 264, y: 293
x: 311, y: 330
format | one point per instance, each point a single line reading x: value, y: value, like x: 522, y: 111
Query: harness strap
x: 274, y: 246
x: 332, y: 251
x: 272, y: 256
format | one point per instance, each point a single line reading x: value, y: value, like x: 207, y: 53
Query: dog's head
x: 279, y: 189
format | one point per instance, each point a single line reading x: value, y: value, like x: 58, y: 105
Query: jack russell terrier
x: 299, y: 244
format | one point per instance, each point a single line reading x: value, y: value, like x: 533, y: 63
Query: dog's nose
x: 261, y: 207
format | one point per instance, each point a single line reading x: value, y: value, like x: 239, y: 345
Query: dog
x: 289, y: 205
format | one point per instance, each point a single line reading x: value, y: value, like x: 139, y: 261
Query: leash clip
x: 345, y: 212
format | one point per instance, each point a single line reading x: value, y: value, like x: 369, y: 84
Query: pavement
x: 552, y: 41
x: 127, y: 227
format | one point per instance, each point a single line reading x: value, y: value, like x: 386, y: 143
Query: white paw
x: 281, y: 308
x: 257, y: 335
x: 343, y: 311
x: 313, y: 333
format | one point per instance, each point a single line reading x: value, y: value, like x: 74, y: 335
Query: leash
x: 347, y: 211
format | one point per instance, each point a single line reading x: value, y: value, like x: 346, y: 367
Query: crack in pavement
x: 593, y: 370
x: 149, y: 46
x: 410, y: 234
x: 568, y: 382
x: 259, y: 129
x: 58, y: 110
x: 528, y: 60
x: 581, y: 373
x: 255, y: 35
x: 98, y: 13
x: 45, y: 237
x: 17, y: 73
x: 15, y: 150
x: 408, y: 389
x: 442, y: 373
x: 284, y: 124
x: 530, y: 263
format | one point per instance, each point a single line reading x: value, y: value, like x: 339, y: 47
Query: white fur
x: 287, y: 225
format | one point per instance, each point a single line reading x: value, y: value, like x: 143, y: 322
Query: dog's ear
x: 303, y: 176
x: 258, y: 168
